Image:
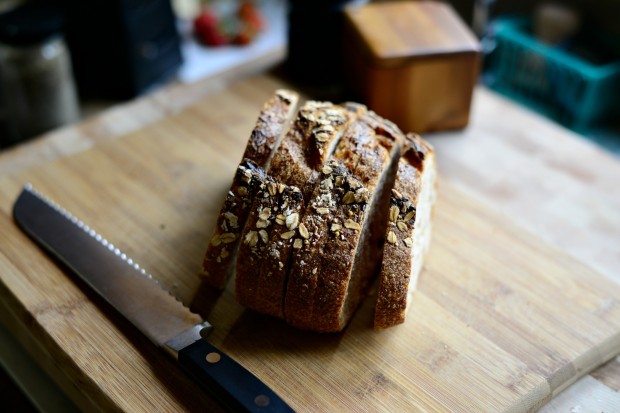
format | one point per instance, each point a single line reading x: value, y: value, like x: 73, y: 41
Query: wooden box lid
x: 392, y: 33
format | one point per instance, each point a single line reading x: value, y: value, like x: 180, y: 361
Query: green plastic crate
x: 549, y: 79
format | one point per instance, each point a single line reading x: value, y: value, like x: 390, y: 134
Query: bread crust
x: 329, y: 276
x: 262, y: 263
x: 337, y: 204
x: 220, y: 257
x: 319, y: 126
x: 274, y: 120
x: 272, y: 123
x: 309, y: 142
x: 407, y: 232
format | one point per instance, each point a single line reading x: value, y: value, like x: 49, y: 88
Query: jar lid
x: 31, y: 23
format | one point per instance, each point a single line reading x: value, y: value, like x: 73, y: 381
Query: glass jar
x: 38, y: 90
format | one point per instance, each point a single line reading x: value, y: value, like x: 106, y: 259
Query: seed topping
x: 292, y: 220
x: 263, y: 235
x: 251, y: 238
x: 227, y: 237
x: 287, y: 235
x: 265, y: 213
x: 391, y: 238
x: 410, y: 215
x: 393, y: 213
x: 349, y: 223
x: 303, y: 231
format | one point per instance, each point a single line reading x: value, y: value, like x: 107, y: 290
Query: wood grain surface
x: 512, y: 307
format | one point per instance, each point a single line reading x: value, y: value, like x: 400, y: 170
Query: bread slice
x: 261, y: 278
x: 330, y: 274
x: 219, y: 260
x: 408, y: 232
x: 272, y: 124
x: 262, y: 263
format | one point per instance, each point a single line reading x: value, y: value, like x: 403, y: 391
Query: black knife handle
x: 225, y: 379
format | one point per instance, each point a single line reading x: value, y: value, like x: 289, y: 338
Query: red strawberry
x: 206, y: 20
x: 206, y: 29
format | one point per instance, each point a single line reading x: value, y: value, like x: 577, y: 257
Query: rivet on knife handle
x: 128, y: 288
x: 235, y: 387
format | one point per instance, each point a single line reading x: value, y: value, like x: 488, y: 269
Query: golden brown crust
x: 254, y: 240
x: 333, y: 226
x: 286, y: 236
x: 220, y: 257
x: 317, y: 254
x: 311, y: 140
x: 400, y: 266
x: 329, y: 275
x: 317, y: 221
x: 262, y: 263
x: 273, y: 122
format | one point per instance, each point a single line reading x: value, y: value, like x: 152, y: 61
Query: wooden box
x: 416, y: 63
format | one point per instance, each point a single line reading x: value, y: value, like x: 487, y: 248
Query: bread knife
x: 136, y: 295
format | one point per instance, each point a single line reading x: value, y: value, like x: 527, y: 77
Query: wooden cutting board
x: 501, y: 320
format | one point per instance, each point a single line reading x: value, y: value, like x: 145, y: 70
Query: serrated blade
x: 113, y: 275
x: 139, y: 298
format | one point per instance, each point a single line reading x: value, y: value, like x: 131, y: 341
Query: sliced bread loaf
x: 261, y: 279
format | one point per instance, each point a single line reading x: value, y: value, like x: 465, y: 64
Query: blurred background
x: 64, y: 60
